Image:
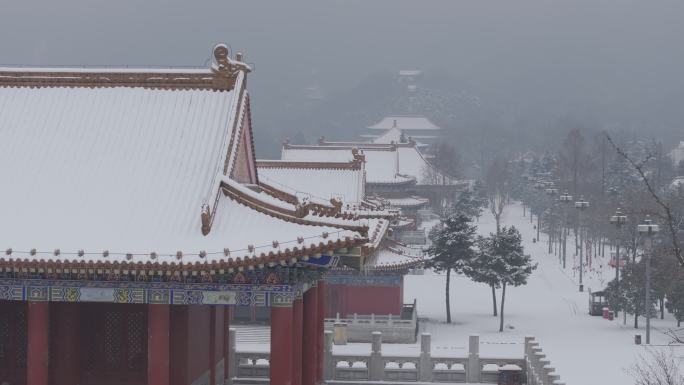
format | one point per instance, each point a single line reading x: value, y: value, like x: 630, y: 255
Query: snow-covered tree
x: 632, y: 293
x: 503, y: 262
x: 451, y: 248
x: 470, y: 202
x: 481, y: 269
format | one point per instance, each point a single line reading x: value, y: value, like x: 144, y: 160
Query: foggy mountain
x: 535, y: 66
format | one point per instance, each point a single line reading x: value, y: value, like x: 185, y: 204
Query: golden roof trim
x: 221, y: 76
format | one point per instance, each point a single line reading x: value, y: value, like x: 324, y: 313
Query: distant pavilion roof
x: 405, y: 123
x: 396, y: 163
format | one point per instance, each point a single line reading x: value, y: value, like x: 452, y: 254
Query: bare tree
x: 666, y: 212
x: 497, y: 189
x: 657, y: 367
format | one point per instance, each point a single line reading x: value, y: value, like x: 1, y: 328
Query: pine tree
x: 451, y: 248
x: 632, y: 292
x: 470, y: 202
x: 502, y: 262
x: 481, y: 268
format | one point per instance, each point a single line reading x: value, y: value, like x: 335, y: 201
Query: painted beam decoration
x: 263, y: 295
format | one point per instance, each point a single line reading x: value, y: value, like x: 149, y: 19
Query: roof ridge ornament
x: 226, y: 69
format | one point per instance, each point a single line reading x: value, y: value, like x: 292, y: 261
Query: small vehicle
x: 623, y: 260
x: 597, y: 301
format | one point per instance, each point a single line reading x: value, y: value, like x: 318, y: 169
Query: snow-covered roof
x: 393, y: 255
x: 325, y: 180
x: 385, y: 163
x: 410, y: 72
x: 411, y: 201
x: 393, y: 135
x: 405, y: 123
x: 381, y: 162
x: 102, y: 170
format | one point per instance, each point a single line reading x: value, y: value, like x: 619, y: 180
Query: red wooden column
x: 37, y: 354
x: 281, y: 345
x: 212, y: 345
x: 297, y: 334
x: 321, y: 331
x: 310, y: 344
x: 65, y: 360
x: 226, y: 342
x: 158, y: 344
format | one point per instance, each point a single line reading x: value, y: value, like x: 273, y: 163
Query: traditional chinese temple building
x: 135, y: 223
x: 399, y: 128
x: 377, y: 286
x: 397, y: 172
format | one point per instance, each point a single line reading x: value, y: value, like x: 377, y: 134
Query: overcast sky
x: 621, y: 56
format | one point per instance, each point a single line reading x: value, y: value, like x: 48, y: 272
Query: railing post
x: 425, y: 368
x: 329, y: 369
x: 474, y: 369
x: 232, y: 357
x: 529, y: 371
x: 376, y: 365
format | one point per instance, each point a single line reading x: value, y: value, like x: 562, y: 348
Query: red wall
x: 348, y: 299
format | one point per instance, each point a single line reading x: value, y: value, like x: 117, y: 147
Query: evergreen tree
x: 503, y: 262
x: 451, y: 248
x: 471, y: 202
x: 481, y: 269
x: 632, y: 294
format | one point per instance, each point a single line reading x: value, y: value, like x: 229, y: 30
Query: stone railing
x: 422, y: 368
x: 394, y: 329
x: 537, y: 365
x: 533, y: 368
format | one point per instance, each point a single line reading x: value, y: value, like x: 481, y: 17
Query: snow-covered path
x: 586, y: 350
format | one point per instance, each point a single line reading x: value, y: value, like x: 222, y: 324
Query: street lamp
x: 617, y: 220
x: 540, y: 185
x: 565, y: 199
x: 551, y: 192
x: 581, y: 205
x: 648, y: 229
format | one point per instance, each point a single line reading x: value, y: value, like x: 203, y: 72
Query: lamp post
x: 565, y: 199
x: 648, y: 229
x: 551, y: 192
x: 539, y: 186
x: 617, y: 220
x: 581, y: 205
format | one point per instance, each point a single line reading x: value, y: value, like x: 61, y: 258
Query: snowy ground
x: 584, y: 349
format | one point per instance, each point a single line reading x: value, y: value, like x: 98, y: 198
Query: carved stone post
x: 232, y: 359
x: 329, y: 363
x: 376, y: 366
x: 474, y: 369
x: 529, y: 370
x: 425, y: 369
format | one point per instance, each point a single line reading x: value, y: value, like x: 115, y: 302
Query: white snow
x: 126, y: 170
x: 584, y: 349
x: 324, y: 183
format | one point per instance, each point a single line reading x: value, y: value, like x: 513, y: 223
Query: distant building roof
x: 410, y: 72
x: 326, y: 180
x: 385, y: 163
x: 405, y: 123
